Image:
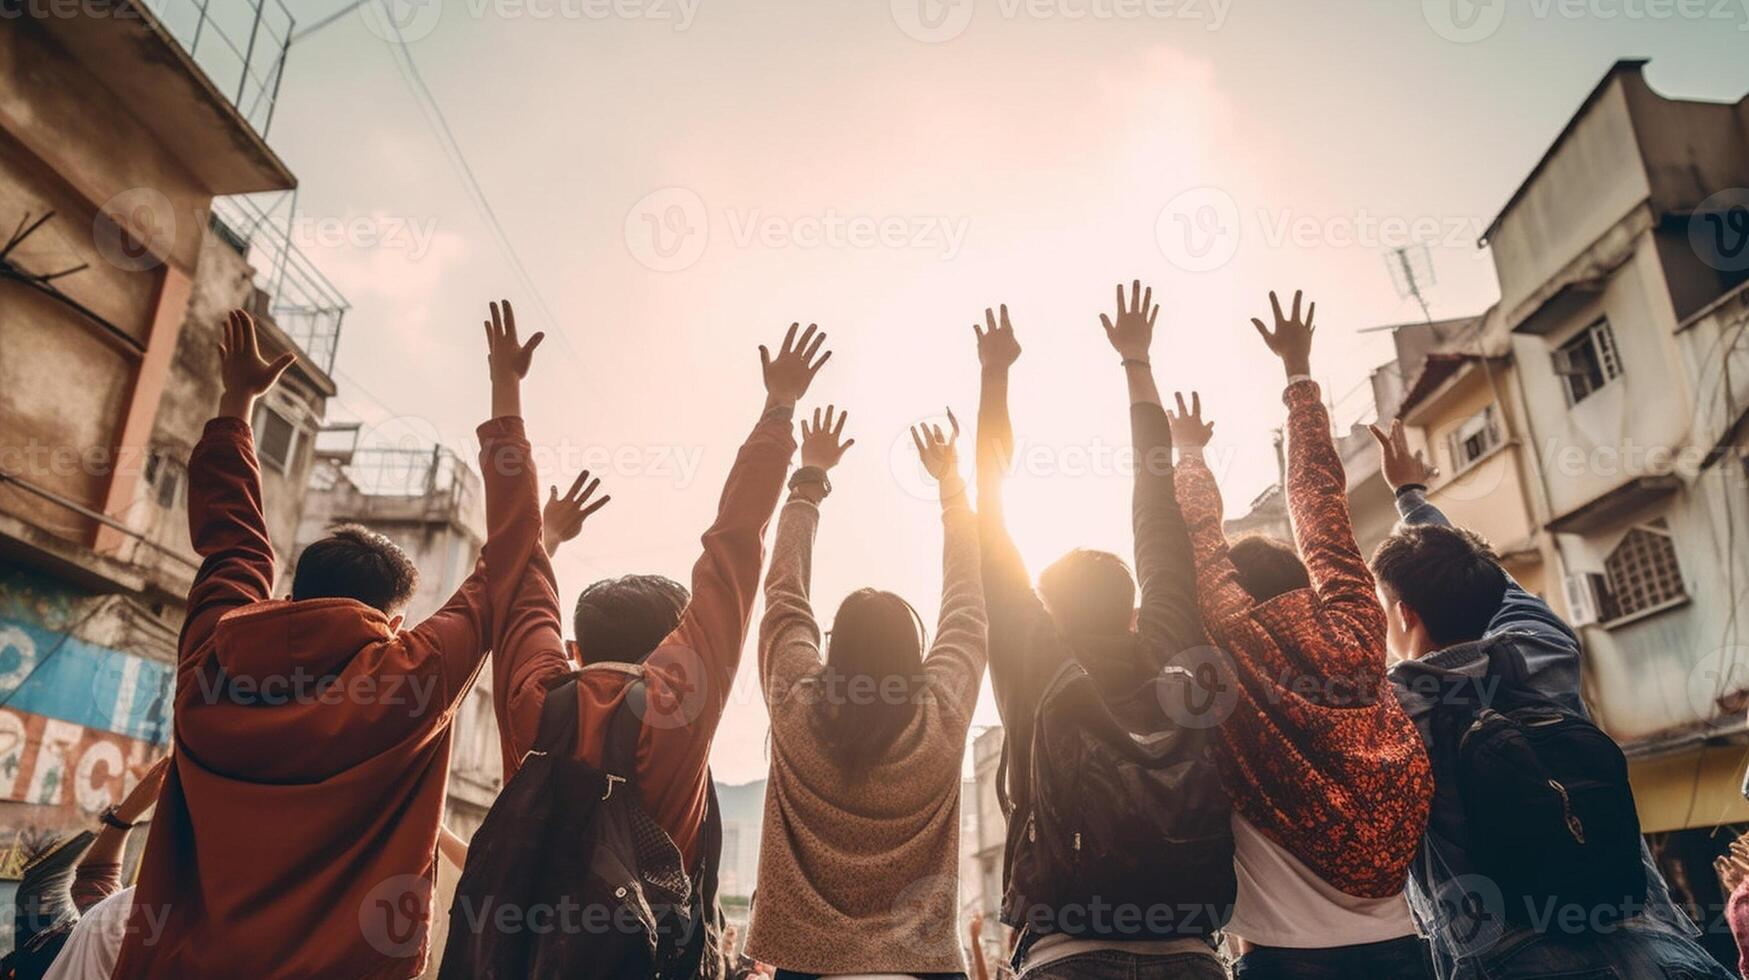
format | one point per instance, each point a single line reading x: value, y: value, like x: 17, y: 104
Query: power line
x: 458, y: 159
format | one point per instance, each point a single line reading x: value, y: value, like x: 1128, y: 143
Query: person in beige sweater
x: 858, y: 864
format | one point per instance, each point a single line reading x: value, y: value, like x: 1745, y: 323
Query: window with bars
x: 1588, y: 361
x: 1475, y: 437
x: 1642, y: 573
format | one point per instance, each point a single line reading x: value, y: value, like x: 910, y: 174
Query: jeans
x: 1394, y: 959
x: 1623, y: 954
x: 1115, y: 965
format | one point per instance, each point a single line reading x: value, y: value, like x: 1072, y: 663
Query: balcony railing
x: 239, y: 44
x: 299, y: 298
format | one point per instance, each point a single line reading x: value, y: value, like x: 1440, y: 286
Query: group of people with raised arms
x: 1279, y: 760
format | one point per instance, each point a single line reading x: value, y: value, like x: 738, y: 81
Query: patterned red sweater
x: 1317, y: 754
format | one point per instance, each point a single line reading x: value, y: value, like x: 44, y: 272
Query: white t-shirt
x: 95, y: 942
x: 1284, y: 903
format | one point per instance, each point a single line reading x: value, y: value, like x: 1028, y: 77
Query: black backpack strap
x: 558, y: 719
x: 619, y: 756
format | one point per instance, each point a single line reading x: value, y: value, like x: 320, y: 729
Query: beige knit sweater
x: 862, y: 876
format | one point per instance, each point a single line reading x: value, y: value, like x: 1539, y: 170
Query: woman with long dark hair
x: 858, y: 868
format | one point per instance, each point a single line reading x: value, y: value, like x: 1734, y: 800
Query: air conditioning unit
x: 1581, y: 600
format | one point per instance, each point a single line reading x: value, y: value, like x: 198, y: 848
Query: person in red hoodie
x: 685, y: 645
x: 296, y: 833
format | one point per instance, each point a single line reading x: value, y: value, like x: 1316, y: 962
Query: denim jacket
x: 1455, y: 906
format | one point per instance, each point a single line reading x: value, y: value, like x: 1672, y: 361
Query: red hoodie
x: 296, y: 832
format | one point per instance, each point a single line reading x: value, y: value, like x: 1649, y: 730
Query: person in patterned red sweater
x: 1330, y: 783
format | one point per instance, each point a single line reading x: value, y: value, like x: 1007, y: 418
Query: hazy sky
x: 684, y: 178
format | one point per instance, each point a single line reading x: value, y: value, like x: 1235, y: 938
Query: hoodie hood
x: 279, y: 639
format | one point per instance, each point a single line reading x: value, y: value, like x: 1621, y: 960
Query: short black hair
x: 621, y: 620
x: 1089, y: 592
x: 1268, y: 566
x: 354, y: 562
x: 1450, y: 576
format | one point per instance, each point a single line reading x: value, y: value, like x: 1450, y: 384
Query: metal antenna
x: 1411, y: 267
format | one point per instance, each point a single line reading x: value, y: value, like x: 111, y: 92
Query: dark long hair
x: 868, y: 691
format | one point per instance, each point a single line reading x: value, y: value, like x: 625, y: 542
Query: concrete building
x: 983, y: 834
x: 1465, y: 411
x: 1622, y: 328
x: 117, y: 148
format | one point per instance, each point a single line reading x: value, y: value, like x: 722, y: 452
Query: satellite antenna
x: 1411, y: 269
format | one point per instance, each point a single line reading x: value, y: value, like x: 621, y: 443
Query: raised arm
x: 226, y: 521
x: 1167, y: 621
x: 1408, y: 475
x: 1014, y: 610
x: 1317, y: 488
x: 1219, y: 595
x: 98, y: 873
x: 956, y: 660
x: 690, y: 673
x: 789, y: 635
x: 526, y: 638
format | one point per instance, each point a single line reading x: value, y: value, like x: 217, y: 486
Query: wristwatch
x: 108, y: 818
x: 810, y: 475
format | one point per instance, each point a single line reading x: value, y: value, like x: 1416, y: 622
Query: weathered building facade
x: 121, y: 256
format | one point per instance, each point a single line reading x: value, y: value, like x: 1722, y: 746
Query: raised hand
x: 1133, y: 332
x: 1292, y: 339
x: 822, y: 445
x: 997, y: 348
x: 144, y: 794
x: 1189, y: 432
x: 562, y: 517
x: 244, y: 373
x: 1401, y: 467
x: 940, y: 453
x: 507, y: 359
x: 788, y: 375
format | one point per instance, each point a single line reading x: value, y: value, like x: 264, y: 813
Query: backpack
x: 1548, y: 812
x: 568, y: 876
x: 1116, y: 820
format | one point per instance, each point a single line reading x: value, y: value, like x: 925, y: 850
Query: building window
x: 1474, y: 438
x: 1641, y: 574
x: 1588, y: 361
x: 276, y: 439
